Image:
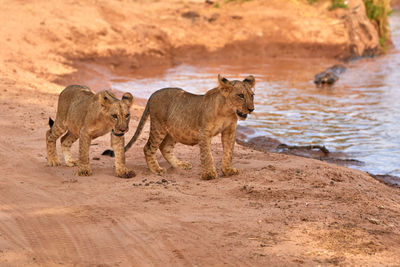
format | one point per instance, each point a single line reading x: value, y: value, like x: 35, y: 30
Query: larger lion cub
x: 179, y: 116
x: 85, y: 115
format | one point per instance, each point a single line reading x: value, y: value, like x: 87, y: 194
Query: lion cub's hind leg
x: 52, y: 135
x: 167, y: 150
x: 156, y: 136
x: 66, y: 142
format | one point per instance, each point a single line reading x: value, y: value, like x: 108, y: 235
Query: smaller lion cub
x: 85, y: 115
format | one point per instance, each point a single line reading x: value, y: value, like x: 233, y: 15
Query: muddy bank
x: 250, y: 138
x: 127, y: 36
x: 395, y: 4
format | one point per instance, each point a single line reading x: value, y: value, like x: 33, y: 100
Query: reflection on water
x: 359, y: 115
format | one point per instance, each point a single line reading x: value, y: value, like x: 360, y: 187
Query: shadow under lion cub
x: 179, y: 116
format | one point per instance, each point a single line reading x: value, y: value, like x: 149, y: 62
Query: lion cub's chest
x: 98, y: 128
x: 218, y: 126
x: 99, y: 132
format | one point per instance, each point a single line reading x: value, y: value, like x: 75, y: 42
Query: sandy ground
x: 280, y: 211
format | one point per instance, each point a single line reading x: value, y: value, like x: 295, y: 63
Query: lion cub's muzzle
x: 242, y: 115
x: 120, y: 132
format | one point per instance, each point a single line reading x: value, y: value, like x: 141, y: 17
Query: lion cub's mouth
x: 117, y: 134
x: 241, y: 115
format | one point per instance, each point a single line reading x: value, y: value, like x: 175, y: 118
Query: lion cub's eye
x: 241, y: 95
x: 114, y: 116
x: 127, y: 115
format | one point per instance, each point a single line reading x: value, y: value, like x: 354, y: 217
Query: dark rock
x: 236, y: 17
x: 329, y: 76
x: 190, y: 15
x: 213, y: 17
x: 387, y: 179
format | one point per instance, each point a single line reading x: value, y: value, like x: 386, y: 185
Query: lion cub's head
x: 116, y: 112
x: 239, y: 94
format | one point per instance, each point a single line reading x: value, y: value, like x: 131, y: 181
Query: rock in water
x: 330, y: 75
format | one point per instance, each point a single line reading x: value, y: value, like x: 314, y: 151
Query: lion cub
x: 179, y: 116
x: 86, y: 115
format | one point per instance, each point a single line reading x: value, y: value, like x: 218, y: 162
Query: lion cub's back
x: 174, y: 102
x: 73, y: 102
x: 178, y: 111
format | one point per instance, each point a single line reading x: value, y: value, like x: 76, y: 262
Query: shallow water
x: 359, y: 115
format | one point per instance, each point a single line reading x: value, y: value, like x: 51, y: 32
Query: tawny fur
x: 179, y: 116
x: 85, y: 115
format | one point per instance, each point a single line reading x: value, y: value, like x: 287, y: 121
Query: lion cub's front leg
x: 207, y: 162
x: 228, y: 143
x: 84, y: 145
x: 117, y: 143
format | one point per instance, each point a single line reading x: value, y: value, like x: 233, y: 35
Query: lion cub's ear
x: 250, y: 80
x: 127, y: 98
x: 104, y: 100
x: 224, y: 85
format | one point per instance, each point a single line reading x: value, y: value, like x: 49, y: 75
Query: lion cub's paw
x: 184, y: 165
x: 83, y: 171
x: 209, y: 175
x: 230, y: 171
x: 159, y: 171
x: 126, y: 173
x: 71, y: 163
x: 53, y: 162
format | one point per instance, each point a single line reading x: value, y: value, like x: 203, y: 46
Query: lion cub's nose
x: 251, y: 109
x: 123, y: 129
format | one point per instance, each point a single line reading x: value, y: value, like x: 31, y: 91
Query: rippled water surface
x: 359, y: 115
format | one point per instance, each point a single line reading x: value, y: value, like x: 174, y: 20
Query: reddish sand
x: 280, y: 211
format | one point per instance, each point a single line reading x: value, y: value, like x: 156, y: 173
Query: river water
x: 359, y: 115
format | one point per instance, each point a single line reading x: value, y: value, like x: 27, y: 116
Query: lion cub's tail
x: 51, y: 122
x: 139, y: 129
